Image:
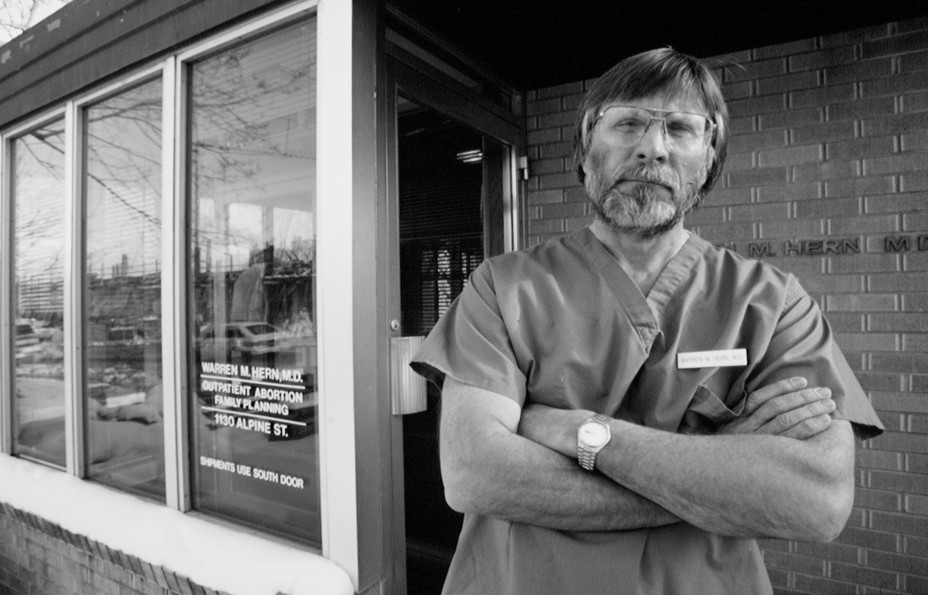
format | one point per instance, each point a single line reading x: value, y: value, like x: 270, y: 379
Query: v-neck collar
x: 644, y: 311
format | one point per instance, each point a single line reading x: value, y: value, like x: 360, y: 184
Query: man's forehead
x: 687, y: 100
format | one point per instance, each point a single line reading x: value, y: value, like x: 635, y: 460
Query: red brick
x: 915, y: 181
x: 706, y: 214
x: 754, y: 70
x: 809, y: 565
x: 918, y: 424
x: 916, y: 463
x: 756, y: 105
x: 879, y: 459
x: 864, y: 576
x: 545, y: 106
x: 864, y: 263
x: 549, y: 135
x: 784, y: 49
x: 916, y: 24
x: 897, y: 562
x: 759, y: 212
x: 830, y: 207
x: 548, y: 151
x: 905, y: 162
x: 915, y: 546
x: 823, y: 133
x: 860, y: 187
x: 563, y: 210
x: 899, y: 83
x: 791, y: 119
x: 555, y: 119
x: 913, y: 61
x: 788, y: 82
x: 861, y: 147
x: 822, y: 586
x: 914, y: 141
x: 829, y: 551
x: 737, y: 90
x: 901, y: 362
x: 792, y: 191
x: 562, y: 180
x: 905, y: 524
x: 861, y: 108
x: 788, y: 229
x: 897, y: 44
x: 758, y: 177
x: 867, y: 302
x: 915, y: 102
x: 830, y: 170
x: 560, y: 90
x: 905, y: 402
x: 739, y: 161
x: 742, y: 125
x: 822, y: 96
x: 545, y: 197
x: 915, y: 302
x: 855, y: 36
x: 724, y: 233
x: 757, y: 140
x: 728, y: 196
x: 879, y: 500
x: 833, y: 283
x: 859, y: 71
x: 790, y: 155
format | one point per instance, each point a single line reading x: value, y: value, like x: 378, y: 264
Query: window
x: 96, y: 386
x: 38, y: 198
x: 252, y: 277
x: 123, y: 384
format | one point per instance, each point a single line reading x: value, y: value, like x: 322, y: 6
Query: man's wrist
x: 592, y: 436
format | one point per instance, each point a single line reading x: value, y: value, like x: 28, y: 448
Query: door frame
x: 433, y: 81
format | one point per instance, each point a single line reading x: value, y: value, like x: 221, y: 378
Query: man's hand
x: 785, y: 408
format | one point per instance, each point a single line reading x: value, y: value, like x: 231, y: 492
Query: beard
x: 645, y: 200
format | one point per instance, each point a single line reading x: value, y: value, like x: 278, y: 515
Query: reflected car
x: 244, y: 341
x: 25, y: 335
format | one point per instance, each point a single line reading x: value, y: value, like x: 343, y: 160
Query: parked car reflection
x: 255, y: 342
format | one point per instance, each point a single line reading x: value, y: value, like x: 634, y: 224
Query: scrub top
x: 562, y: 324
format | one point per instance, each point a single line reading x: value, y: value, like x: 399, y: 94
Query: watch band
x: 586, y: 456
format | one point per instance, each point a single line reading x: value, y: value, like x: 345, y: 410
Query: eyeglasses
x: 627, y: 125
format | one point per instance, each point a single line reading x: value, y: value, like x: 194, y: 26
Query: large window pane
x: 122, y: 289
x: 39, y: 255
x: 252, y: 181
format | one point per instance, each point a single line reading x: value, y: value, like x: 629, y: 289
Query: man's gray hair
x: 663, y: 71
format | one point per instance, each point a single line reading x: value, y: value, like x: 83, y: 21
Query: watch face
x: 593, y: 434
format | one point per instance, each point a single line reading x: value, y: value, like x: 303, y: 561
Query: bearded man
x: 625, y: 409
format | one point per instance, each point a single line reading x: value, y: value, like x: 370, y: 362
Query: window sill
x: 211, y: 554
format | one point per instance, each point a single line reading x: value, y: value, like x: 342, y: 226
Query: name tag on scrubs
x: 720, y: 358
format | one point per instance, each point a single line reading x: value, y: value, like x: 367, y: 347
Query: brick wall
x: 40, y: 558
x: 827, y: 177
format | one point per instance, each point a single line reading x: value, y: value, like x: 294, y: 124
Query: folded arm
x: 749, y: 485
x: 488, y: 469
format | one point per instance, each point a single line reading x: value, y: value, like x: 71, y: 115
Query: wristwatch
x: 592, y: 436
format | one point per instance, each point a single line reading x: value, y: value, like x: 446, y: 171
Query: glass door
x: 450, y: 197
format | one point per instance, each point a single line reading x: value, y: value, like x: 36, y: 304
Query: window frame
x: 336, y: 463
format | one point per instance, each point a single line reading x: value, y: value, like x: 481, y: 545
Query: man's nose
x: 653, y: 144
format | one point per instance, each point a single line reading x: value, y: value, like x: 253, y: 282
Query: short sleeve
x: 471, y: 343
x: 803, y: 345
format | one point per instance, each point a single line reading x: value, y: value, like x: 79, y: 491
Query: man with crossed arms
x: 625, y: 409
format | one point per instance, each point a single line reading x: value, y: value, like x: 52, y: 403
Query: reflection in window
x: 38, y: 194
x: 252, y: 201
x: 122, y: 289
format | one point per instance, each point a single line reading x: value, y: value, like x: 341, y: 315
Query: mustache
x: 649, y: 174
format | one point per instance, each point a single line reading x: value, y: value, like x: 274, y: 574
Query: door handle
x: 407, y: 389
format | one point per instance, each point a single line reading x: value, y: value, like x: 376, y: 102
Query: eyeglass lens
x: 627, y: 125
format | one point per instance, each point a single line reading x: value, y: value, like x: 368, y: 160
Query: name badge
x: 720, y: 358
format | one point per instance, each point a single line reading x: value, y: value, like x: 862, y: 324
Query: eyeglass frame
x: 708, y: 132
